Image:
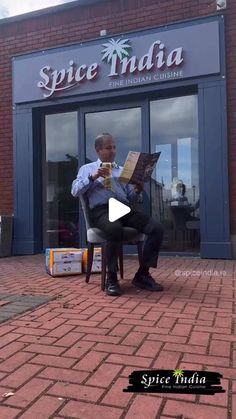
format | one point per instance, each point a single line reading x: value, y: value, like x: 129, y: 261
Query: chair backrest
x: 85, y: 207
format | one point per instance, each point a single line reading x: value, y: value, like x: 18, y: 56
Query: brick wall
x: 76, y: 24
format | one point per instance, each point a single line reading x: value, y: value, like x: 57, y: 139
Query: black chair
x: 95, y: 236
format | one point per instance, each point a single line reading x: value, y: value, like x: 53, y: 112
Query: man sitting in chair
x: 90, y: 180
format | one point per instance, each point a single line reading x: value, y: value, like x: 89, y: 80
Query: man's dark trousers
x: 113, y: 231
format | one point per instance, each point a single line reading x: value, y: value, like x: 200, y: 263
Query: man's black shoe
x: 146, y: 282
x: 113, y: 288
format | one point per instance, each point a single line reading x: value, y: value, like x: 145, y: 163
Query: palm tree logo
x: 178, y: 373
x: 119, y: 48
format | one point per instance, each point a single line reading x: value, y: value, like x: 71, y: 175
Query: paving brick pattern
x: 71, y: 357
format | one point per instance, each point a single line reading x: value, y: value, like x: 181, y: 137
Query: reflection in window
x: 174, y: 132
x: 187, y: 152
x: 163, y: 169
x: 184, y: 160
x: 61, y: 212
x: 124, y: 125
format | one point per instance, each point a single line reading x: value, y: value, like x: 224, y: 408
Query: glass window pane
x: 61, y: 215
x: 175, y: 184
x: 124, y: 125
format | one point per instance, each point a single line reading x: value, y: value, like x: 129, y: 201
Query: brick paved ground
x: 71, y: 357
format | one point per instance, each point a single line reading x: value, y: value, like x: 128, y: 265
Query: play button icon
x: 116, y: 210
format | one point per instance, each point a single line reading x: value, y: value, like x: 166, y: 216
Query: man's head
x: 105, y: 147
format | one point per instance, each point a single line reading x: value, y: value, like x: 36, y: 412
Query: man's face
x: 108, y: 151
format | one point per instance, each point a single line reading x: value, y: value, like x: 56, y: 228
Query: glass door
x: 61, y: 210
x: 124, y: 124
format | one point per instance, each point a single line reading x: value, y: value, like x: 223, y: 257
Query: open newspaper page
x: 138, y: 167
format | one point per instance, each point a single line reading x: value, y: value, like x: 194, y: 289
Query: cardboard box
x: 67, y: 261
x: 97, y: 260
x: 96, y: 266
x: 66, y: 268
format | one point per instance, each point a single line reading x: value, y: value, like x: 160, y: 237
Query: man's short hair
x: 99, y: 140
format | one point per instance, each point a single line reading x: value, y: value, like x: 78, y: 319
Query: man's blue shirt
x: 95, y: 191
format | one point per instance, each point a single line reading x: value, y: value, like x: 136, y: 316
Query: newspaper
x: 138, y: 167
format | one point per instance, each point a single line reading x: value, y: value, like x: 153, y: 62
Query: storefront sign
x: 142, y: 58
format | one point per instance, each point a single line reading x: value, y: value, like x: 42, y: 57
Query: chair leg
x: 140, y: 252
x: 121, y: 262
x: 90, y: 261
x: 104, y: 267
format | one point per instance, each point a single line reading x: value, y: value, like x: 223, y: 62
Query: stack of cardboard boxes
x: 71, y: 261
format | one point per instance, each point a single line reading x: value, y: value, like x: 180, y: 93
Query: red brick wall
x: 82, y: 23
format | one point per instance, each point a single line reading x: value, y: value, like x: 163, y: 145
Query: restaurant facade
x: 157, y: 75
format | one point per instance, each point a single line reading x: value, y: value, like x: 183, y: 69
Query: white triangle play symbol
x: 116, y: 210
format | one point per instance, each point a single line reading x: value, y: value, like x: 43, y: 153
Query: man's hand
x: 102, y: 172
x: 138, y: 187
